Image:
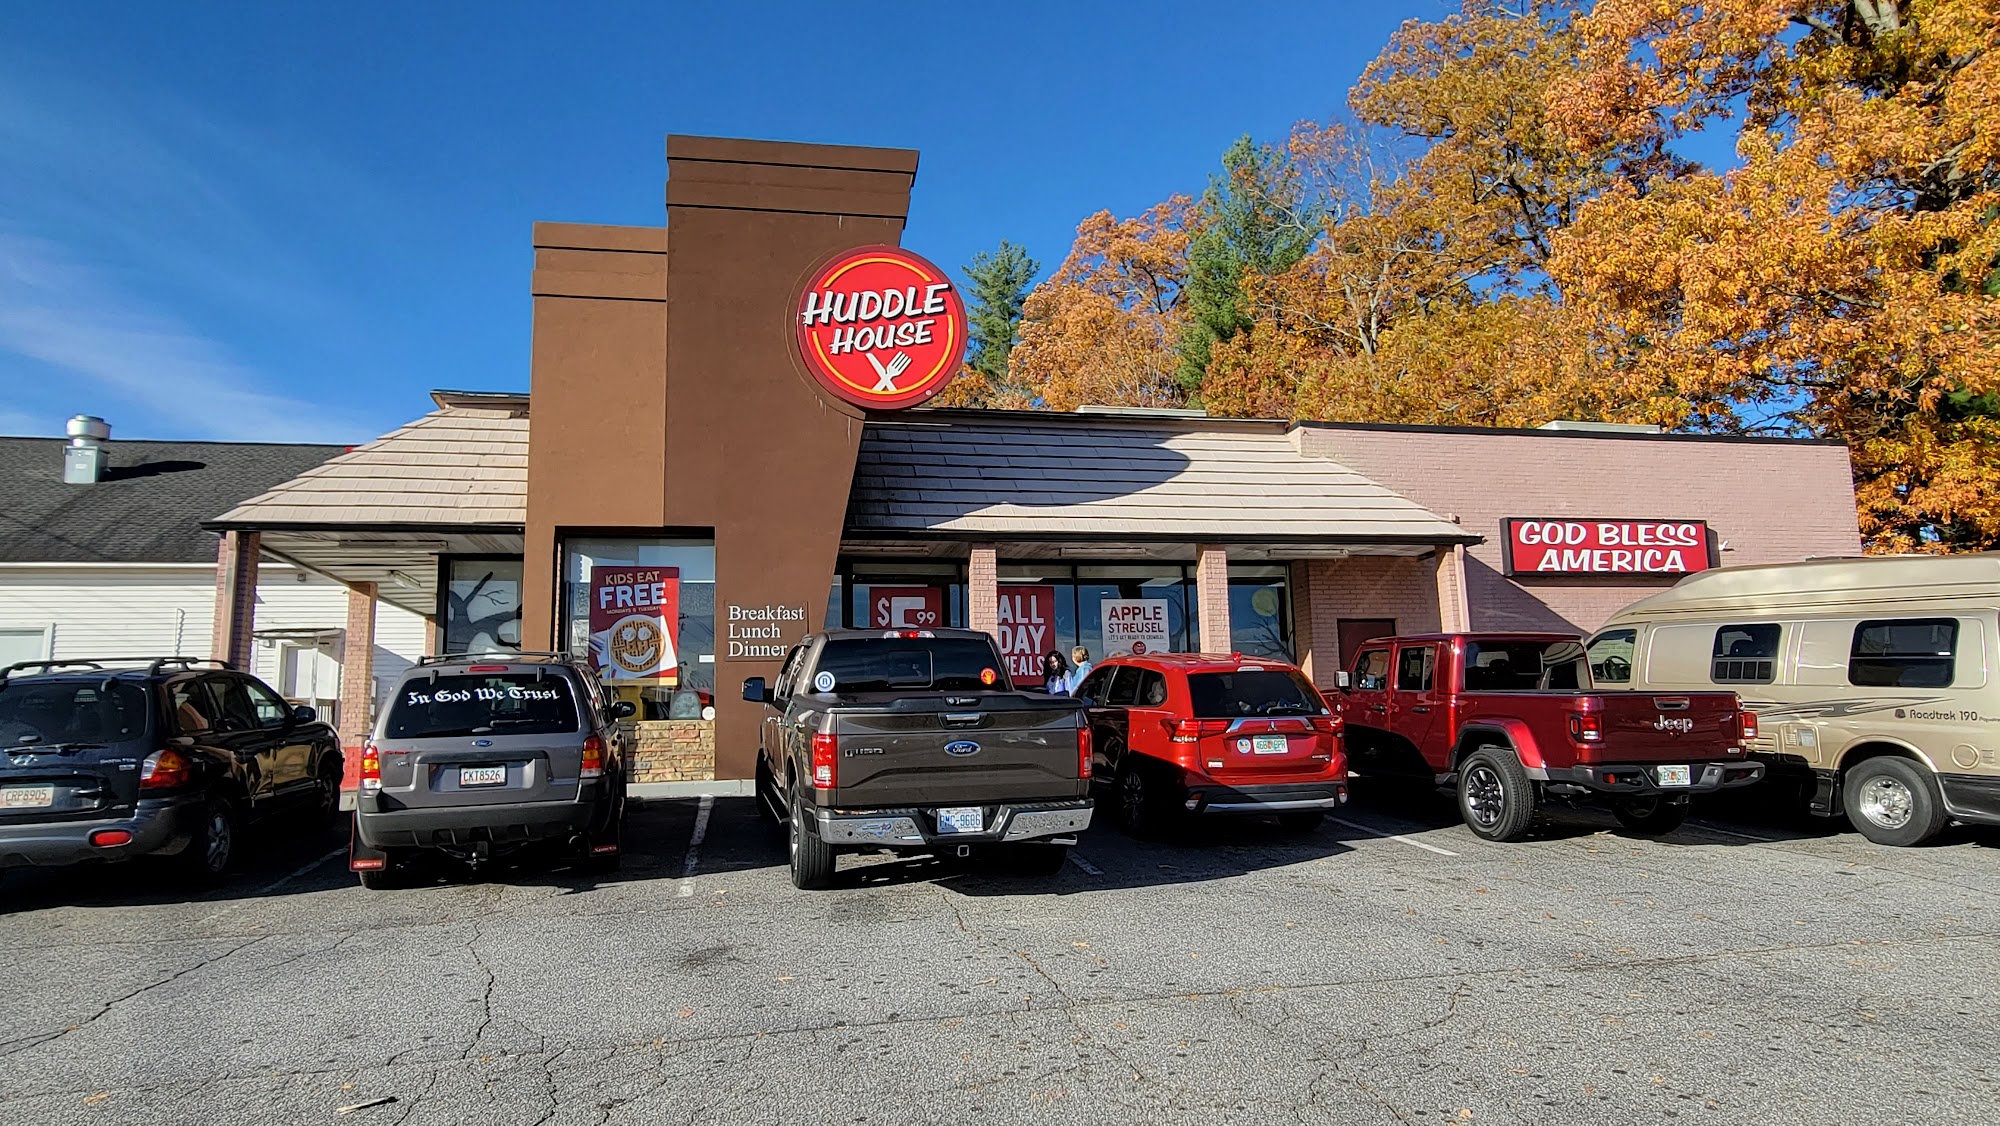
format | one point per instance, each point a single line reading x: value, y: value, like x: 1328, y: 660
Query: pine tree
x: 1254, y: 218
x: 1000, y: 282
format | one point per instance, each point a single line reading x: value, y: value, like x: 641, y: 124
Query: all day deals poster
x: 634, y: 613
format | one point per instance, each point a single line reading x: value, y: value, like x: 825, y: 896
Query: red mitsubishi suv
x: 1179, y: 734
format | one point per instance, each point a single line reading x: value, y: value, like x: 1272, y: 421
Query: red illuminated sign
x: 1607, y: 547
x: 1027, y: 629
x: 905, y: 607
x: 881, y: 328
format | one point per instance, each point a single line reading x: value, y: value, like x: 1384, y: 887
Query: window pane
x: 686, y: 686
x: 1124, y: 687
x: 482, y: 605
x: 1745, y: 655
x: 1611, y: 656
x: 1513, y: 666
x: 496, y: 704
x: 69, y: 711
x: 1228, y: 695
x: 1371, y: 669
x: 1163, y: 587
x: 271, y: 711
x: 1259, y: 617
x: 1914, y: 653
x: 1413, y: 670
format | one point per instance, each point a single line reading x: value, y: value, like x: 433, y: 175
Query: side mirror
x: 622, y: 709
x: 1344, y: 681
x: 304, y: 714
x: 756, y: 691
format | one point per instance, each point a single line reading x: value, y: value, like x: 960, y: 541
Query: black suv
x: 168, y: 757
x: 477, y: 756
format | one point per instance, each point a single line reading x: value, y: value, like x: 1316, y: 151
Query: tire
x: 210, y: 852
x: 1496, y: 797
x: 1894, y: 801
x: 327, y: 803
x: 1302, y: 821
x: 1034, y: 859
x: 1650, y: 816
x: 811, y: 858
x: 389, y: 876
x: 767, y: 795
x: 1139, y: 803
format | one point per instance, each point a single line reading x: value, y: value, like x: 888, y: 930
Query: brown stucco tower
x: 718, y: 430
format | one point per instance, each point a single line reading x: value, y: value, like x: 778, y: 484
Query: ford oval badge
x: 482, y: 742
x: 961, y: 748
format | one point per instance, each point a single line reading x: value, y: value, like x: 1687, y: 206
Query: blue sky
x: 288, y: 222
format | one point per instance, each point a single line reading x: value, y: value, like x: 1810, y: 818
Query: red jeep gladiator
x: 1511, y: 719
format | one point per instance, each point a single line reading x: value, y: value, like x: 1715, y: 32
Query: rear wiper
x: 53, y: 748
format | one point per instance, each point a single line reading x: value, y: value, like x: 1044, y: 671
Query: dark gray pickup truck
x: 915, y: 740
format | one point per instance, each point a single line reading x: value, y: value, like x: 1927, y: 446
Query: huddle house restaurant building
x: 724, y: 447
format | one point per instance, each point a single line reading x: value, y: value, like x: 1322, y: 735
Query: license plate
x: 1674, y: 776
x: 482, y: 776
x: 27, y: 797
x: 1269, y: 745
x: 961, y: 820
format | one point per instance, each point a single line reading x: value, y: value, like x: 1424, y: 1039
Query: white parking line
x: 1706, y: 827
x: 281, y: 881
x: 694, y: 847
x: 1411, y: 841
x: 1077, y: 859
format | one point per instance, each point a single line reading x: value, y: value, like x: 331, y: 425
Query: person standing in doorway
x: 1055, y: 674
x: 1083, y: 666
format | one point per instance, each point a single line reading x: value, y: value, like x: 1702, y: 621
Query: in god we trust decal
x: 881, y: 328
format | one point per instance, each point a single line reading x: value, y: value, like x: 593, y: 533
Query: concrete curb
x: 724, y: 788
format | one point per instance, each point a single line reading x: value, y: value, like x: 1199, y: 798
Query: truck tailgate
x: 1667, y: 727
x: 932, y: 750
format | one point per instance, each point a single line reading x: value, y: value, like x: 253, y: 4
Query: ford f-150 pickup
x: 1510, y: 719
x: 916, y: 740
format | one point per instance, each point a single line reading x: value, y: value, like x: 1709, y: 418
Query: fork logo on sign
x: 881, y: 328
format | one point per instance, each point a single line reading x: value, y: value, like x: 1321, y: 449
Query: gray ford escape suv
x: 478, y: 756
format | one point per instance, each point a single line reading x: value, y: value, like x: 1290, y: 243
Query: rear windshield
x: 866, y: 664
x: 1504, y: 666
x: 1227, y: 695
x: 70, y: 711
x: 482, y: 704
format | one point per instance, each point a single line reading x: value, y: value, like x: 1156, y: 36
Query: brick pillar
x: 433, y: 638
x: 1454, y: 608
x: 357, y: 666
x: 982, y: 590
x: 1211, y: 593
x: 235, y: 597
x: 1300, y: 588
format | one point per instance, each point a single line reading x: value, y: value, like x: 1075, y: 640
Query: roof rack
x: 493, y: 655
x: 153, y: 664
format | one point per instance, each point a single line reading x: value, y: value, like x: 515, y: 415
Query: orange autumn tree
x: 1842, y: 281
x: 1103, y: 328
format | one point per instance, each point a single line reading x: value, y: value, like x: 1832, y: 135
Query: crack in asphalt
x: 104, y: 1009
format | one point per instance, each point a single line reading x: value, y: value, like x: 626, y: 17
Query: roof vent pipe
x: 85, y: 458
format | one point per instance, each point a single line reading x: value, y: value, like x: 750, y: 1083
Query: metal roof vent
x: 85, y: 459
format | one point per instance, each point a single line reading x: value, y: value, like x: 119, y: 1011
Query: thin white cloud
x: 61, y: 312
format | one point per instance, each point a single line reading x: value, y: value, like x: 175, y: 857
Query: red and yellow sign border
x: 827, y: 373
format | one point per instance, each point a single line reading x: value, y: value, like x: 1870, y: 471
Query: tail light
x: 371, y: 767
x: 1191, y: 730
x: 593, y: 759
x: 826, y: 760
x: 1586, y: 727
x: 1746, y: 723
x: 1083, y: 754
x: 1327, y: 724
x: 164, y: 769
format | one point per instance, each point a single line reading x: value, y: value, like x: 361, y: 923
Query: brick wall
x: 1769, y: 502
x: 1364, y: 586
x: 1211, y: 588
x: 671, y: 750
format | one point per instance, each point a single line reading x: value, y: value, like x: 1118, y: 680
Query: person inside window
x: 1055, y: 674
x: 1083, y: 666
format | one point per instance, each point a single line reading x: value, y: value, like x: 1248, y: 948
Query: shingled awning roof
x: 1014, y: 477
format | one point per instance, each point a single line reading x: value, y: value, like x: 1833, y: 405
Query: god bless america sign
x: 881, y: 328
x: 1607, y: 547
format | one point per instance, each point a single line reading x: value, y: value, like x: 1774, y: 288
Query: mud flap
x: 1824, y: 800
x: 361, y: 858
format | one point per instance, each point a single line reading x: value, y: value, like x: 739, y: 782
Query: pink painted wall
x: 1767, y: 501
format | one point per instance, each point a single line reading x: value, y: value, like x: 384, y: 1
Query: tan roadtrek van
x: 1873, y: 678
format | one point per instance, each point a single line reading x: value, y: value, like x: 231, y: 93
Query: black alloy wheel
x: 1495, y: 795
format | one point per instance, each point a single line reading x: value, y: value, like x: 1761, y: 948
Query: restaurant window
x: 1260, y: 618
x: 1144, y: 605
x: 642, y: 611
x: 481, y: 604
x: 1745, y: 654
x: 1912, y: 653
x: 915, y: 595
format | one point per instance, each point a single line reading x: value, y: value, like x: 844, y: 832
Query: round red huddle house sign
x: 881, y: 328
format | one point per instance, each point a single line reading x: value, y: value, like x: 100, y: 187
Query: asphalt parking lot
x: 1390, y: 968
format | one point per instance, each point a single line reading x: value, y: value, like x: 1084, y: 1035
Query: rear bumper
x: 916, y: 828
x: 1276, y: 797
x: 1638, y: 778
x: 458, y: 828
x: 1972, y: 798
x: 157, y: 825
